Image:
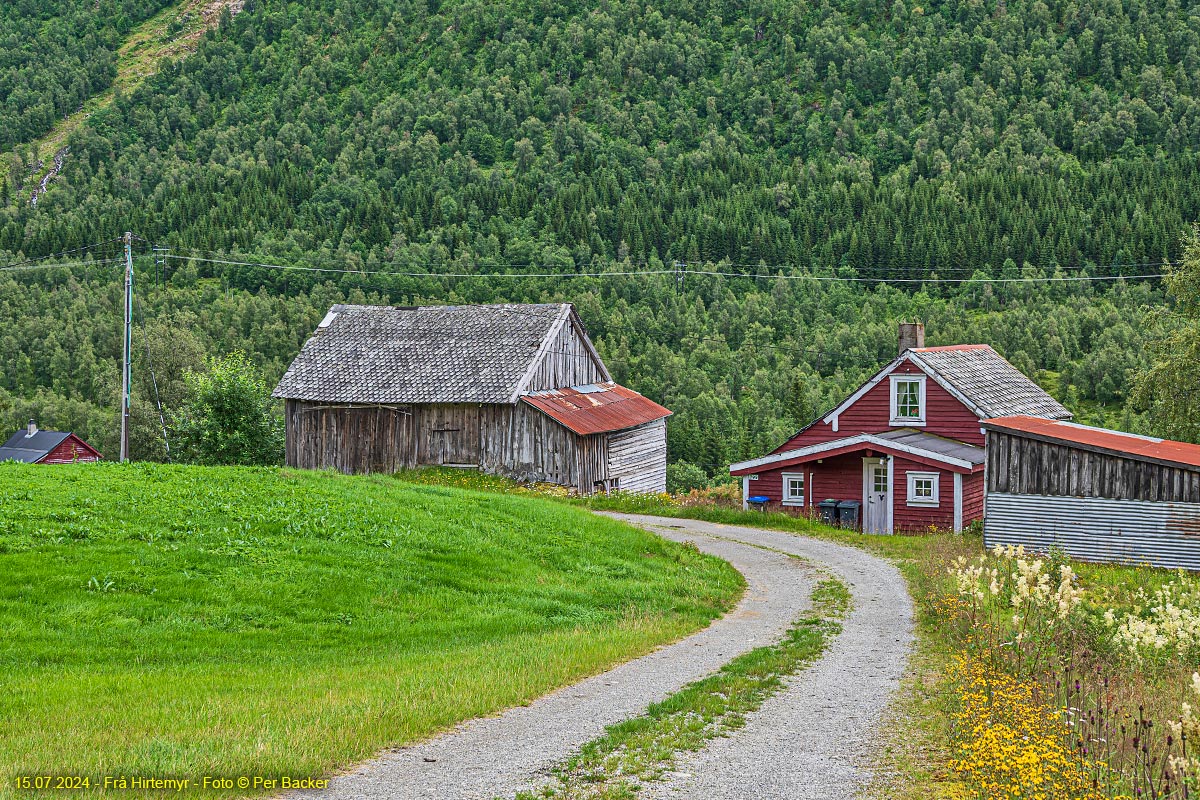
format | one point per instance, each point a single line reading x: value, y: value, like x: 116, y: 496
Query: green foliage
x: 837, y: 138
x: 1169, y: 386
x: 170, y: 619
x: 836, y: 134
x: 54, y: 55
x: 227, y: 416
x: 683, y: 477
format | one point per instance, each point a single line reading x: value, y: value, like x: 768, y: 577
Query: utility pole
x: 680, y: 275
x: 125, y: 388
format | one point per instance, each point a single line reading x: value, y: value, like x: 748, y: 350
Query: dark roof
x: 984, y: 379
x: 935, y: 444
x: 597, y: 408
x: 31, y: 449
x: 1130, y: 445
x: 425, y: 354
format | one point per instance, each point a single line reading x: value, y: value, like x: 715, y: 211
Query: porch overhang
x: 914, y: 446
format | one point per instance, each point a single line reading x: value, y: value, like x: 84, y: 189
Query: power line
x: 839, y: 278
x: 68, y: 264
x: 60, y: 254
x: 401, y: 274
x: 662, y: 272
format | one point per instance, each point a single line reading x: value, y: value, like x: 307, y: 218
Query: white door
x: 877, y: 496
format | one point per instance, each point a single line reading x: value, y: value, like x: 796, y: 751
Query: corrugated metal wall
x: 1097, y: 528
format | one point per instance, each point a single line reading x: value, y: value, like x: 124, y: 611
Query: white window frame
x: 928, y: 502
x: 896, y: 419
x: 788, y: 498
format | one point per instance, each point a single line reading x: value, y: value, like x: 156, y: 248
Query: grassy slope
x: 192, y: 621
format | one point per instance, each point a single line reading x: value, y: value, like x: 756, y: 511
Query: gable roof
x: 992, y: 384
x: 1128, y: 445
x: 427, y: 354
x: 978, y: 376
x: 958, y: 456
x: 597, y: 408
x: 31, y: 449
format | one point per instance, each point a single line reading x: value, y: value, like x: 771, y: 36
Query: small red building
x: 32, y: 446
x: 908, y: 444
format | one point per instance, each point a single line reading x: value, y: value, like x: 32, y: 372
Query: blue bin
x: 758, y: 501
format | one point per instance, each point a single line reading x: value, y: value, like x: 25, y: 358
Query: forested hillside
x: 854, y: 140
x: 55, y: 54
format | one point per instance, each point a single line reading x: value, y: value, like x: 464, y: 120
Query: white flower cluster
x: 1187, y: 725
x: 1170, y: 623
x: 1031, y: 583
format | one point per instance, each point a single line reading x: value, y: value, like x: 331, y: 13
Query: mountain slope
x: 947, y: 138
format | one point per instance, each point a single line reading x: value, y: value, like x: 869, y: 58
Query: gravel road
x: 808, y: 741
x: 501, y: 755
x: 812, y: 740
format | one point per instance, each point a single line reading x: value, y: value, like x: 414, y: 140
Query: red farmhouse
x: 32, y: 446
x: 908, y: 445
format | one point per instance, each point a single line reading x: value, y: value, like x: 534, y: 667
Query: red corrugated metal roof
x: 1102, y: 438
x: 597, y: 408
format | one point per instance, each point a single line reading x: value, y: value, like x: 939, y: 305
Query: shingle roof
x: 426, y: 354
x: 31, y: 449
x: 597, y: 408
x: 985, y: 379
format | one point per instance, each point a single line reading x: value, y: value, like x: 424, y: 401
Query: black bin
x: 847, y: 512
x: 829, y: 511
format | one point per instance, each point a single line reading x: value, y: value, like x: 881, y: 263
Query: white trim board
x: 851, y: 441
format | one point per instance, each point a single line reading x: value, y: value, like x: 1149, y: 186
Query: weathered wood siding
x: 515, y: 441
x: 351, y: 439
x: 1018, y: 465
x: 448, y: 434
x: 566, y: 362
x: 637, y: 458
x: 522, y: 443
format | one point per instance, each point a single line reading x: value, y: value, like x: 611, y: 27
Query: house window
x: 923, y: 488
x: 908, y: 400
x: 793, y: 488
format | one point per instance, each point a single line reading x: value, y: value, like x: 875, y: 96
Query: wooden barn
x: 1097, y: 494
x: 33, y: 446
x: 513, y: 390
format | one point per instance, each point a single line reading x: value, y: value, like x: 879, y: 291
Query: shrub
x: 227, y: 416
x: 683, y: 477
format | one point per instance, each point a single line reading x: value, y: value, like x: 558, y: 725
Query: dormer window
x: 908, y: 400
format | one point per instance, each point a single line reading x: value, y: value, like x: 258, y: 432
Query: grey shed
x: 384, y: 388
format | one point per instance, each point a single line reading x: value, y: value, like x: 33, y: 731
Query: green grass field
x: 184, y: 621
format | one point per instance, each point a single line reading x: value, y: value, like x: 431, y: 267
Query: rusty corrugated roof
x: 597, y: 408
x: 1119, y: 442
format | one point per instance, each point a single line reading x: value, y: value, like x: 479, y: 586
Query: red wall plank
x: 972, y: 498
x: 944, y: 415
x: 837, y: 478
x: 906, y: 518
x: 70, y: 450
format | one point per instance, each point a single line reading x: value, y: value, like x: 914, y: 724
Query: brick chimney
x: 912, y: 334
x: 32, y: 429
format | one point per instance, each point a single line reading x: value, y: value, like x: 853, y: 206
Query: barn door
x: 449, y: 436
